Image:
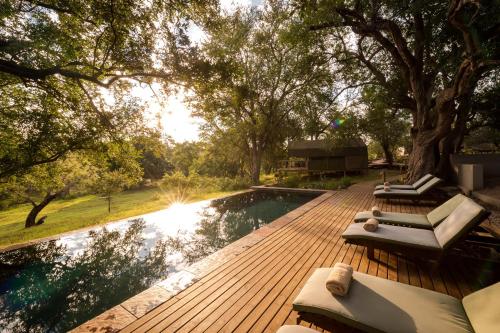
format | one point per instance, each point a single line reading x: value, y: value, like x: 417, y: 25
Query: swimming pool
x: 56, y: 285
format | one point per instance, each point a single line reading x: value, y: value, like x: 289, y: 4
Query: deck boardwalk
x: 254, y: 291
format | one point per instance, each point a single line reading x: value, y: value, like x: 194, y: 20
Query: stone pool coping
x: 88, y: 228
x: 137, y: 306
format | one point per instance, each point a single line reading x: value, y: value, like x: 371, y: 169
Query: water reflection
x: 43, y: 289
x: 230, y: 219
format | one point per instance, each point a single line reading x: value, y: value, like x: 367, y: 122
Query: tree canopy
x: 259, y: 61
x: 431, y: 57
x: 66, y: 68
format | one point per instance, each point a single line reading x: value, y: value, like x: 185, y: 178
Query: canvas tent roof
x: 326, y: 148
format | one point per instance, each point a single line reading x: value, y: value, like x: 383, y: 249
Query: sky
x: 175, y: 115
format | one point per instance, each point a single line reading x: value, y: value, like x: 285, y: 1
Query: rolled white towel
x: 371, y: 225
x: 339, y: 279
x: 376, y: 211
x: 387, y: 188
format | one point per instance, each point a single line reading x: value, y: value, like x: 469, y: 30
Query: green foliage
x: 155, y: 159
x: 195, y: 182
x: 67, y: 67
x: 295, y: 181
x: 415, y: 54
x: 119, y: 170
x: 258, y: 63
x: 387, y: 126
x: 75, y: 174
x: 183, y: 155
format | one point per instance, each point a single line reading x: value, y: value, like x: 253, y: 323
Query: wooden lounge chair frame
x: 324, y: 322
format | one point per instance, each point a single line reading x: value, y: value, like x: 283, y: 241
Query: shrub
x: 292, y: 181
x: 195, y: 181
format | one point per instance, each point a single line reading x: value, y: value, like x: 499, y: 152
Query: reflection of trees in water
x: 42, y: 289
x: 234, y: 218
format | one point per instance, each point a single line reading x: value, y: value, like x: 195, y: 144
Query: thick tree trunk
x: 256, y: 164
x: 422, y: 158
x: 388, y: 154
x: 37, y: 208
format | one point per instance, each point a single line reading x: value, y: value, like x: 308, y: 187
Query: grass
x: 71, y: 214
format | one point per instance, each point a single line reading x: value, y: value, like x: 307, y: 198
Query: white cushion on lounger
x: 459, y: 221
x: 295, y: 329
x: 483, y: 309
x: 378, y: 305
x: 413, y: 220
x: 398, y: 192
x: 413, y: 186
x: 396, y: 186
x: 417, y: 238
x: 438, y: 214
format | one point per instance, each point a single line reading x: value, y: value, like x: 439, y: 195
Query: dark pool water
x: 57, y: 285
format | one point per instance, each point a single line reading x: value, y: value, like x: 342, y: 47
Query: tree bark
x: 388, y: 154
x: 422, y: 158
x: 256, y: 164
x: 37, y: 208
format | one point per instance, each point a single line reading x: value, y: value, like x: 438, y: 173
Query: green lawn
x: 72, y: 214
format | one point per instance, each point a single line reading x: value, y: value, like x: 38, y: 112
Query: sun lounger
x: 413, y: 186
x: 419, y: 242
x: 375, y: 304
x: 417, y: 194
x: 429, y: 221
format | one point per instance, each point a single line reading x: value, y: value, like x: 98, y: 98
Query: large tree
x: 431, y: 57
x: 257, y: 62
x: 50, y: 181
x: 66, y: 68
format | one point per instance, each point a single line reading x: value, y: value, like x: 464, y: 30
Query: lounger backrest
x: 422, y: 180
x: 458, y: 222
x: 438, y: 214
x: 482, y: 309
x: 427, y: 186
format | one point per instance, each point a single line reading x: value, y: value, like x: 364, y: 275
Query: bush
x: 195, y: 181
x: 326, y: 184
x: 291, y: 181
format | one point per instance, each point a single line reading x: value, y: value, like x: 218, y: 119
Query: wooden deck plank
x: 254, y: 291
x: 281, y: 309
x: 271, y: 279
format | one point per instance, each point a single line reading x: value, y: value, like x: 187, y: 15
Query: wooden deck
x: 253, y: 292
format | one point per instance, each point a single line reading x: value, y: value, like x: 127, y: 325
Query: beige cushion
x: 378, y: 305
x: 458, y: 222
x: 411, y: 237
x: 428, y: 185
x: 295, y: 329
x: 438, y: 214
x: 423, y: 180
x: 396, y: 186
x: 393, y: 192
x: 483, y: 309
x: 411, y: 220
x: 413, y: 186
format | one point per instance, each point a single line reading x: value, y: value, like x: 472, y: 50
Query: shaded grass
x: 71, y: 214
